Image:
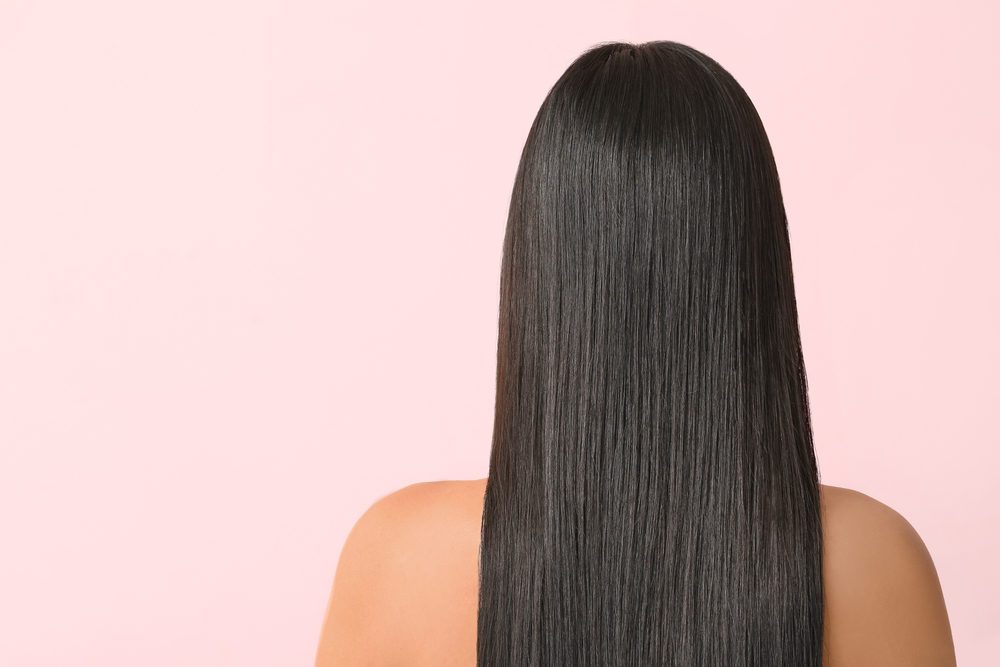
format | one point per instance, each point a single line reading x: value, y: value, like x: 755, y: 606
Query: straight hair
x: 653, y: 493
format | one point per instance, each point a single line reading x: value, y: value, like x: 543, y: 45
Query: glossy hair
x: 653, y: 494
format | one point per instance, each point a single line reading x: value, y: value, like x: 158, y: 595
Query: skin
x: 405, y: 590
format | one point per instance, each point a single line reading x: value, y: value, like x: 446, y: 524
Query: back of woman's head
x: 653, y: 496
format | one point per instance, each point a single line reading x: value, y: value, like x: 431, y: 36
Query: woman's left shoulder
x: 409, y: 565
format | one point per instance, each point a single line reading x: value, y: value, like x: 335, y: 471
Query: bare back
x: 406, y: 588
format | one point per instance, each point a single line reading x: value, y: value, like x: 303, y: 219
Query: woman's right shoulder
x: 882, y: 597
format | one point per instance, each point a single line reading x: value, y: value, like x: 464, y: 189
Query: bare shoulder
x: 883, y: 599
x: 406, y: 580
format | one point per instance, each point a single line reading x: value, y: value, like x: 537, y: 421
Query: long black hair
x: 653, y: 494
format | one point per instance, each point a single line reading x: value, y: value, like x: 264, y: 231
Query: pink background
x: 249, y: 261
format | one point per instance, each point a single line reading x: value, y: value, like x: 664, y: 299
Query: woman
x: 653, y: 495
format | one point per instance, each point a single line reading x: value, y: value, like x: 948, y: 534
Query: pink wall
x: 249, y: 259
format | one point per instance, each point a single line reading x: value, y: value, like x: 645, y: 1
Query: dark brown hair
x: 653, y: 494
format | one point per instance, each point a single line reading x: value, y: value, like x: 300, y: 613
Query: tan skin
x: 405, y: 590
